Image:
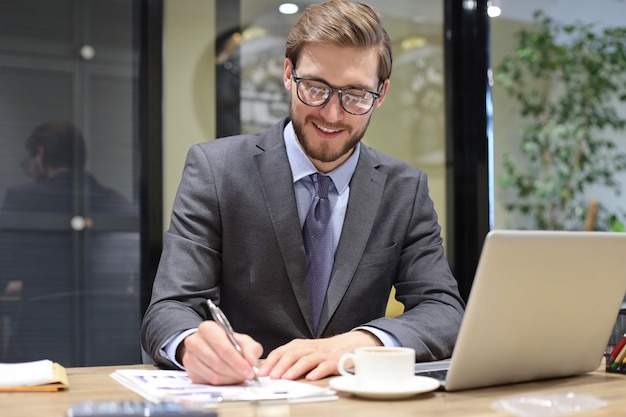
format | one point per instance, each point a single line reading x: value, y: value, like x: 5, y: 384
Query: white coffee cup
x: 380, y: 368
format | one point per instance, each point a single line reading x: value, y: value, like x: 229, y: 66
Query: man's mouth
x: 327, y: 130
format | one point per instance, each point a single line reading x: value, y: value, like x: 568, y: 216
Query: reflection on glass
x: 69, y: 235
x: 56, y: 155
x: 46, y: 296
x: 227, y: 83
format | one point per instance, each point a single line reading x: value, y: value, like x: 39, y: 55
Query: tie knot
x: 321, y: 183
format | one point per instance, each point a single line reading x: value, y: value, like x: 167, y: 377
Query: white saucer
x: 418, y: 385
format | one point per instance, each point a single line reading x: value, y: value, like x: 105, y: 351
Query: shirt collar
x: 302, y: 167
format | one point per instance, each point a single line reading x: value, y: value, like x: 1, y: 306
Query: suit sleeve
x: 425, y: 285
x: 190, y: 261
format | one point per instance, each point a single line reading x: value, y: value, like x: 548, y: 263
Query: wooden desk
x: 95, y: 384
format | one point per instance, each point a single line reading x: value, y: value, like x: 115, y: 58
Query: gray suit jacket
x: 235, y: 237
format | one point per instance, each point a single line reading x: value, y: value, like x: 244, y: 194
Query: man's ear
x: 287, y: 74
x: 383, y: 93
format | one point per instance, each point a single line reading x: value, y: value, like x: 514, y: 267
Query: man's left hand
x: 314, y: 359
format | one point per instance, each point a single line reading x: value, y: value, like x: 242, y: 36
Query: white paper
x: 25, y: 374
x: 166, y: 385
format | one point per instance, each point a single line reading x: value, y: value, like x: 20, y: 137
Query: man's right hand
x: 210, y: 358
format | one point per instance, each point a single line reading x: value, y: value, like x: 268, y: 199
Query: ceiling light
x: 493, y: 8
x: 288, y: 8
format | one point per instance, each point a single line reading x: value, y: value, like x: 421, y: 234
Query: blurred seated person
x: 228, y: 83
x: 56, y: 162
x: 39, y: 251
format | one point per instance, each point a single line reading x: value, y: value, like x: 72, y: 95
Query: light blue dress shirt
x: 338, y: 192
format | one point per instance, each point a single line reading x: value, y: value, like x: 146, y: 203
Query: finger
x: 202, y: 364
x: 277, y: 362
x: 300, y: 367
x: 231, y: 362
x: 252, y: 350
x: 287, y: 356
x: 210, y: 357
x: 313, y: 364
x: 322, y: 370
x: 269, y: 362
x: 199, y: 372
x: 293, y: 364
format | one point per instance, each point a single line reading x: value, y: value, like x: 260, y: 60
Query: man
x: 56, y: 162
x: 236, y: 235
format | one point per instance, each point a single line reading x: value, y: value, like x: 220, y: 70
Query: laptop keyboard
x: 439, y: 375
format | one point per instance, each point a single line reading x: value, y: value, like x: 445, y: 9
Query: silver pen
x: 220, y: 318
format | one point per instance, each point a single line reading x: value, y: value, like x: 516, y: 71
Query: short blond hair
x: 341, y: 23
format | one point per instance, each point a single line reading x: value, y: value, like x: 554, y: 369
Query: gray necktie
x: 318, y: 243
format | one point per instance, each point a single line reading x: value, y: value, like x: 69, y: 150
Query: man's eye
x: 317, y: 91
x: 358, y: 95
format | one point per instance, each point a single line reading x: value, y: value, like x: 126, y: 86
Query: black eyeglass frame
x: 339, y: 91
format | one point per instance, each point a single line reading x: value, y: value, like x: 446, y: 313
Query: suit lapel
x: 366, y: 190
x: 277, y: 183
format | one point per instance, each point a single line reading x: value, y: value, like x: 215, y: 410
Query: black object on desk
x: 135, y: 409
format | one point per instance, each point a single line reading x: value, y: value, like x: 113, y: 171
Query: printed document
x: 176, y: 386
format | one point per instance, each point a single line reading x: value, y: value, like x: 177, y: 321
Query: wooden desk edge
x: 95, y: 384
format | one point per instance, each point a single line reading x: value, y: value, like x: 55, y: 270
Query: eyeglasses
x: 315, y: 93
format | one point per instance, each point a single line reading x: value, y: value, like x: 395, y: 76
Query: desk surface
x: 94, y: 383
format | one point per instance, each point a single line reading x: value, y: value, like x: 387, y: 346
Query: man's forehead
x: 339, y: 65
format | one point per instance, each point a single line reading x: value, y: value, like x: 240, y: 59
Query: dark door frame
x: 466, y: 26
x: 150, y: 37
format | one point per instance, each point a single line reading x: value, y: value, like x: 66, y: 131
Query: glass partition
x: 572, y: 139
x: 69, y: 175
x: 231, y: 82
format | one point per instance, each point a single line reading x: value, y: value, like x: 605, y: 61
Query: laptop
x: 543, y: 305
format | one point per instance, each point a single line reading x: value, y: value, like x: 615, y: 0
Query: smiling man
x: 298, y: 233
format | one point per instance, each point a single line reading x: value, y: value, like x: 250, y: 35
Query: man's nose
x: 332, y: 110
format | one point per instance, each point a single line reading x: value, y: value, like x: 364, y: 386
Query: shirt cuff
x: 386, y: 338
x: 169, y: 347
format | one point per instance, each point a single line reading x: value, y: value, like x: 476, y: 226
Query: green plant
x: 568, y: 80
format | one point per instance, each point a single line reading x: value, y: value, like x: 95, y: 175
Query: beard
x: 325, y: 153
